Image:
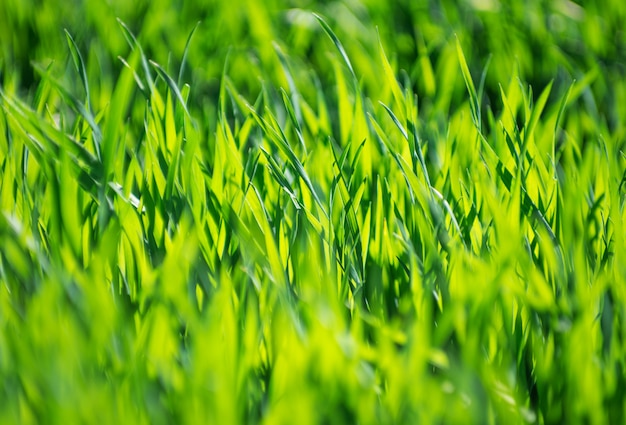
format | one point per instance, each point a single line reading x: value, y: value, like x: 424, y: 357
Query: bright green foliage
x: 300, y: 212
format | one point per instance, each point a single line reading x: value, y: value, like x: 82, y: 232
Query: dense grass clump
x: 312, y: 212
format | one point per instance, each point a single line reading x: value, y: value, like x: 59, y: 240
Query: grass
x: 347, y: 212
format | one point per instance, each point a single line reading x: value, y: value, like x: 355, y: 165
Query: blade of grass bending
x: 295, y: 94
x: 557, y: 123
x: 134, y: 44
x: 474, y: 102
x: 322, y: 109
x: 391, y: 79
x: 385, y: 140
x: 536, y: 112
x: 519, y: 156
x: 417, y: 150
x: 221, y: 111
x: 448, y: 208
x: 395, y: 121
x: 510, y: 144
x: 180, y: 115
x: 483, y: 78
x: 250, y: 170
x: 341, y: 161
x: 342, y: 158
x: 533, y: 210
x: 417, y: 145
x: 339, y: 47
x: 171, y: 84
x: 183, y: 61
x: 175, y: 150
x: 131, y: 199
x: 562, y: 106
x: 79, y: 64
x: 135, y: 75
x: 293, y: 117
x: 346, y: 107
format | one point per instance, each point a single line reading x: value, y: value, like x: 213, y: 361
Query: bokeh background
x: 139, y: 287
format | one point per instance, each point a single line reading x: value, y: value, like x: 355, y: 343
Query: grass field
x: 312, y: 212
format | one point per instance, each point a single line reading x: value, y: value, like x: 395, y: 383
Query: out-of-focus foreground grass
x: 312, y: 212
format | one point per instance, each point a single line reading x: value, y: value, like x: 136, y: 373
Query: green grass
x: 338, y: 212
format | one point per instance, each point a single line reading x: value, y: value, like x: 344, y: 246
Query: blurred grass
x: 329, y: 212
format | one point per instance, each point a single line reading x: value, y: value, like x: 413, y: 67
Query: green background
x: 312, y: 212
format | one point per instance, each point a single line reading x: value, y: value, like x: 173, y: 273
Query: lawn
x: 350, y: 212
